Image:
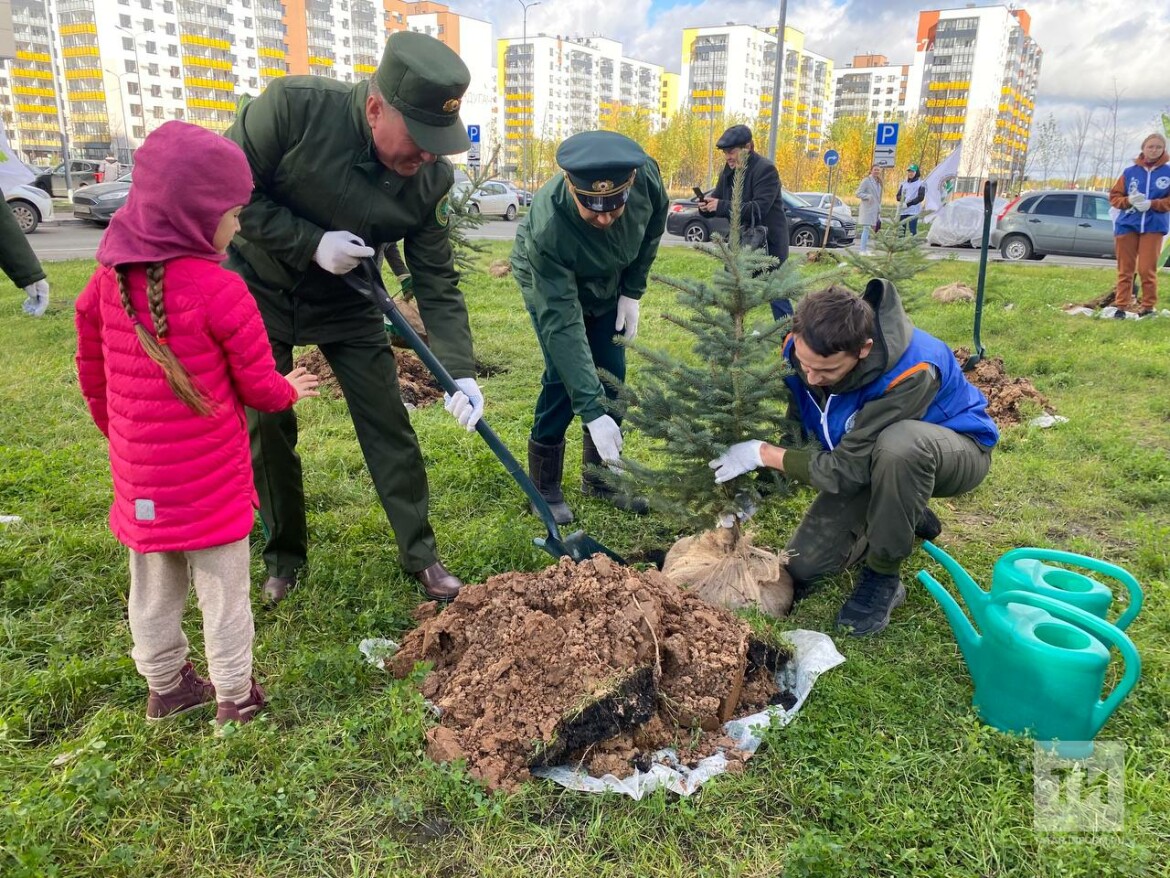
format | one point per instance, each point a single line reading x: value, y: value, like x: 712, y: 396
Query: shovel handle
x: 375, y: 290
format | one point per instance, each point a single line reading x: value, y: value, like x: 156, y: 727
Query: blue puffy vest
x: 959, y: 405
x: 1152, y: 183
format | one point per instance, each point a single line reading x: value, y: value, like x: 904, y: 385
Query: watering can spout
x: 965, y: 634
x: 974, y: 596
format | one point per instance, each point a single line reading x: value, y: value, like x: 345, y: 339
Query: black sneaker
x: 1120, y: 314
x: 1145, y: 312
x: 873, y: 600
x: 928, y: 527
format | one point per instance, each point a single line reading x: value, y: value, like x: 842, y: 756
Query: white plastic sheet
x: 961, y: 222
x: 814, y: 653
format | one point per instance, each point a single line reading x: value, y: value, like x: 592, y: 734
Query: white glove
x: 466, y: 405
x: 1139, y: 202
x: 607, y: 436
x: 743, y: 509
x: 740, y: 458
x: 340, y: 252
x: 627, y: 317
x: 38, y: 298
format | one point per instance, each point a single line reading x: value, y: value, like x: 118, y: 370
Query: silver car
x: 1069, y: 222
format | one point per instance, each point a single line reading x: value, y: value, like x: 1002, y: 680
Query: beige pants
x: 159, y: 582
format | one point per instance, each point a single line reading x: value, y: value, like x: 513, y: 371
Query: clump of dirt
x: 1009, y: 400
x: 593, y: 664
x: 500, y: 268
x: 415, y: 382
x: 956, y: 292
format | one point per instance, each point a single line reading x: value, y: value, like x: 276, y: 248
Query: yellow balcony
x: 36, y: 109
x: 42, y: 57
x: 214, y: 84
x: 29, y: 73
x: 87, y: 27
x: 364, y: 68
x: 81, y: 52
x: 205, y: 104
x: 207, y: 42
x: 89, y: 117
x: 87, y: 95
x: 84, y: 73
x: 33, y: 91
x: 273, y: 71
x: 316, y: 61
x: 209, y: 63
x: 266, y: 52
x: 33, y: 125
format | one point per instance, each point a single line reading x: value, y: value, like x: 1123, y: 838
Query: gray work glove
x: 38, y: 298
x: 607, y: 436
x: 340, y: 252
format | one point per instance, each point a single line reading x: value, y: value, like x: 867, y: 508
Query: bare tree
x: 1109, y: 130
x: 1079, y: 127
x: 1047, y: 147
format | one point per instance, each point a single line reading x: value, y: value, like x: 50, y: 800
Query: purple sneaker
x: 193, y: 692
x: 242, y: 711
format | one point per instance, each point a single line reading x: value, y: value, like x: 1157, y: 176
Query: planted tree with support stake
x: 730, y: 388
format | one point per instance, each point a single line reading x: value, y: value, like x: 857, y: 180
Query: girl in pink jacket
x: 171, y: 348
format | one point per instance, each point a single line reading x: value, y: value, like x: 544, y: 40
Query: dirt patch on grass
x: 1010, y: 401
x: 415, y: 382
x: 592, y: 664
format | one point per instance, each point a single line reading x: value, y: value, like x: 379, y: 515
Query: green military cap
x: 600, y: 167
x: 425, y: 80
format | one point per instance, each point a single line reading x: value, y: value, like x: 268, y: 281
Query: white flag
x: 12, y: 170
x: 941, y: 181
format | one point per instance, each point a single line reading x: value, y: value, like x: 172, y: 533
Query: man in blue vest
x: 895, y: 422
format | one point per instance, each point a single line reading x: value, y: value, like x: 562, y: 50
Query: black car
x: 806, y: 224
x: 98, y: 202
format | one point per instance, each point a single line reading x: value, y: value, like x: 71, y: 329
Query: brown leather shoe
x: 276, y: 588
x: 439, y: 583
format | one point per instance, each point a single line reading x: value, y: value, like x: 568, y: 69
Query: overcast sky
x: 1088, y: 46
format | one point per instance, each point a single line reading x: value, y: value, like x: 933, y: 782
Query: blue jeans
x: 863, y: 244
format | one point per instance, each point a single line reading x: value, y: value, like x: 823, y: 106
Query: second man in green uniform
x: 582, y: 257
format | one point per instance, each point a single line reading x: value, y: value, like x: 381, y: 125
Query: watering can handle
x: 1107, y: 632
x: 1122, y: 575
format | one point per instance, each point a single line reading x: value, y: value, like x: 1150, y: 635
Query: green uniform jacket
x: 568, y: 270
x: 17, y: 258
x: 312, y: 157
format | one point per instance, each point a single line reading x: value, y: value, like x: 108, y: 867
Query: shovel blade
x: 578, y: 545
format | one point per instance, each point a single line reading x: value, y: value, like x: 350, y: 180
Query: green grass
x: 886, y: 771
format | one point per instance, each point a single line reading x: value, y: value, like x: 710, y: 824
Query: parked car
x: 85, y: 172
x: 1070, y: 222
x: 523, y: 196
x: 30, y: 205
x: 823, y: 199
x: 98, y: 202
x: 490, y: 198
x: 806, y: 224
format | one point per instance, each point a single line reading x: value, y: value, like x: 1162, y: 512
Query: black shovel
x: 366, y: 279
x: 988, y: 209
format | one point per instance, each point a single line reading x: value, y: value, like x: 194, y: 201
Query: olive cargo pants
x: 368, y: 375
x: 912, y: 462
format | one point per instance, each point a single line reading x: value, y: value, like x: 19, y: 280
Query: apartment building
x: 871, y: 88
x: 728, y: 72
x: 554, y: 86
x: 974, y: 80
x: 110, y: 71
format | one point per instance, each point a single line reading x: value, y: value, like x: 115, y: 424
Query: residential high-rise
x: 728, y: 71
x: 671, y: 96
x: 974, y: 81
x: 870, y: 87
x: 111, y: 71
x: 555, y: 86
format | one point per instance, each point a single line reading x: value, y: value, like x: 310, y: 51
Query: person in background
x: 341, y: 169
x: 762, y: 202
x: 582, y: 257
x: 895, y: 422
x: 111, y: 169
x: 170, y: 349
x: 1142, y: 195
x: 869, y: 192
x: 911, y: 194
x: 21, y: 265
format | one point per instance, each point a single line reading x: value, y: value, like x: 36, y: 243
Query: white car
x: 31, y: 207
x: 490, y: 198
x: 824, y: 199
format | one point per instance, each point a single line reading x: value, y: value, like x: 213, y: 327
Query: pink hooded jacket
x: 181, y: 481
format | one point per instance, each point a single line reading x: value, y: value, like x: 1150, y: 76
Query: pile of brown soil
x: 415, y: 382
x: 592, y: 664
x: 1004, y: 395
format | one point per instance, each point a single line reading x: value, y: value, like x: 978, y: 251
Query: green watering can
x: 1039, y: 666
x: 1025, y: 570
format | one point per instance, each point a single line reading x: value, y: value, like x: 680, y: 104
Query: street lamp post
x: 137, y: 77
x: 125, y: 118
x: 777, y: 82
x: 525, y: 76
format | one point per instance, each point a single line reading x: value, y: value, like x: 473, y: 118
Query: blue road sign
x: 832, y: 157
x: 473, y: 133
x: 887, y: 134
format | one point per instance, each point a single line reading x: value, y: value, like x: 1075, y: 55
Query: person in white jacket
x: 911, y: 194
x: 869, y: 192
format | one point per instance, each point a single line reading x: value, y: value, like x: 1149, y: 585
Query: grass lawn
x: 886, y: 771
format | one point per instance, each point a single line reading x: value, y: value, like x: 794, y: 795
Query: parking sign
x: 887, y: 134
x: 473, y: 133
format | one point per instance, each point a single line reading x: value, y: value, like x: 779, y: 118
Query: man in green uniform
x: 581, y: 257
x: 339, y: 170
